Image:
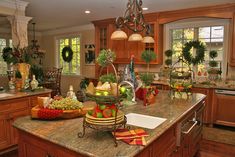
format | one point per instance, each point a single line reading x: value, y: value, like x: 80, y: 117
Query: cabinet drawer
x: 14, y: 104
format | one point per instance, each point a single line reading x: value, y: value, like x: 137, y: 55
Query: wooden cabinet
x: 224, y: 109
x: 5, y: 139
x: 207, y: 119
x: 9, y: 111
x: 31, y: 146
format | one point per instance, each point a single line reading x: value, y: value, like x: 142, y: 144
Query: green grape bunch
x: 65, y: 104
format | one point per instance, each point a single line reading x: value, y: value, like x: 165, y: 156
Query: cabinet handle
x: 191, y: 128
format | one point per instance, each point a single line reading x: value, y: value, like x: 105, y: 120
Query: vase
x: 34, y: 83
x: 24, y: 71
x: 18, y: 84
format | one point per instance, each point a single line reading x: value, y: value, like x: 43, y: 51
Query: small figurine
x: 11, y: 84
x: 71, y: 93
x: 34, y: 83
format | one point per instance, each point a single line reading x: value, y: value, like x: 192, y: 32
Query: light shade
x: 118, y: 35
x: 148, y: 39
x: 135, y: 37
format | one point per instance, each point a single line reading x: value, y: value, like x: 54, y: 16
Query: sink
x: 3, y: 95
x: 144, y: 121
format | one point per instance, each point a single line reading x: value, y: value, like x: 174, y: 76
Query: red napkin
x: 132, y: 137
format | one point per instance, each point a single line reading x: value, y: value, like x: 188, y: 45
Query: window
x: 3, y: 65
x: 72, y: 68
x: 212, y: 33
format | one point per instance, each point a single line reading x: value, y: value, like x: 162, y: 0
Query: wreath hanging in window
x: 67, y: 54
x: 200, y: 52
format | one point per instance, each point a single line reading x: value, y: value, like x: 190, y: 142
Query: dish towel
x: 132, y: 137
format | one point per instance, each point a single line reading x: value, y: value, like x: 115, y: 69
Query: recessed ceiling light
x: 145, y: 8
x: 87, y: 11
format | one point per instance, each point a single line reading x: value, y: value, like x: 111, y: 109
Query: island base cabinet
x: 32, y: 146
x: 4, y: 131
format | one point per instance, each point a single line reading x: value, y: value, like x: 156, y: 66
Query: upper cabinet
x: 124, y: 49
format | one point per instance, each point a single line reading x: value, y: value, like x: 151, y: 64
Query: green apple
x: 105, y: 93
x: 102, y: 107
x: 99, y: 115
x: 123, y: 89
x: 113, y: 112
x: 97, y: 93
x: 90, y: 112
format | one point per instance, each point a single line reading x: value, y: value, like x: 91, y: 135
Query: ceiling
x: 55, y: 14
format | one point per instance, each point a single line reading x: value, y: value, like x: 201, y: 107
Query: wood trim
x: 217, y: 11
x: 232, y: 40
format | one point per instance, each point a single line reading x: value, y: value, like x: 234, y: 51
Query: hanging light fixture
x: 36, y: 52
x: 133, y: 19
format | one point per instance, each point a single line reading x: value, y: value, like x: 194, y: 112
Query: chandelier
x: 36, y: 52
x: 133, y: 19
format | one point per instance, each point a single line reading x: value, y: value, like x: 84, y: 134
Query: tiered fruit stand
x: 105, y: 124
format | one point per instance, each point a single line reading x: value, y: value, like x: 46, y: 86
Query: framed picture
x: 89, y: 54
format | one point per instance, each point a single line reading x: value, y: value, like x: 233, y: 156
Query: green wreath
x: 200, y: 52
x: 67, y: 54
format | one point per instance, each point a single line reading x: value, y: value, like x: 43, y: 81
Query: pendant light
x: 133, y: 19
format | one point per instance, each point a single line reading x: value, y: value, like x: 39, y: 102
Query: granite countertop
x: 64, y: 132
x: 14, y: 94
x: 201, y: 85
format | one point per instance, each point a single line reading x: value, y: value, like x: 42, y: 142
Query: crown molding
x: 14, y: 4
x: 69, y: 29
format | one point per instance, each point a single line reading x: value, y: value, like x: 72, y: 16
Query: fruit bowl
x: 100, y: 99
x: 105, y: 121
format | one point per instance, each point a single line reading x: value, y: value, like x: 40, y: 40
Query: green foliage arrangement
x: 213, y: 63
x: 105, y: 57
x: 213, y: 54
x: 168, y: 62
x: 147, y: 78
x: 16, y: 55
x: 67, y: 54
x: 108, y: 78
x: 169, y: 53
x: 200, y: 52
x: 18, y: 74
x: 148, y: 56
x: 38, y: 72
x: 84, y: 83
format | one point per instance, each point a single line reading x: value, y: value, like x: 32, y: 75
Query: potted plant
x: 20, y: 58
x: 147, y: 78
x: 213, y: 71
x: 165, y: 71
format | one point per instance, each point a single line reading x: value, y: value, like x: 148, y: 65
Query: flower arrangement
x: 16, y: 55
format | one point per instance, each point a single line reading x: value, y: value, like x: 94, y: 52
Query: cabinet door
x: 4, y: 131
x: 224, y: 110
x: 13, y: 116
x: 31, y: 150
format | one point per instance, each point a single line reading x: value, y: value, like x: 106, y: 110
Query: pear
x: 114, y: 89
x: 99, y: 84
x: 90, y: 88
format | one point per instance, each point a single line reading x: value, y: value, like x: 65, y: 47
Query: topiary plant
x: 105, y: 57
x: 148, y: 56
x: 168, y: 60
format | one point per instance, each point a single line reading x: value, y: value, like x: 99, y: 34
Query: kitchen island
x: 60, y: 137
x: 15, y: 104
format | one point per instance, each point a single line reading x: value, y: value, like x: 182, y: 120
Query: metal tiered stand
x: 181, y: 79
x: 105, y: 124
